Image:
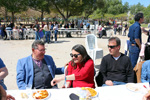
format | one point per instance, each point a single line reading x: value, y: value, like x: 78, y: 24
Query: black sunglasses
x: 75, y: 55
x: 113, y: 46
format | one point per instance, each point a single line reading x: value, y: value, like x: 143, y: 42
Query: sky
x: 132, y: 2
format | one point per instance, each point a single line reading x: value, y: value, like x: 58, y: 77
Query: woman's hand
x: 68, y: 85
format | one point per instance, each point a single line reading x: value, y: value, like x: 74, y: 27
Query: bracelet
x: 65, y: 78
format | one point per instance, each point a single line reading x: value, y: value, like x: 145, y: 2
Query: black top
x: 119, y: 70
x: 11, y: 25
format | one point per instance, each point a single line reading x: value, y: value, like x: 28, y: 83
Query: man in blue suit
x: 38, y: 69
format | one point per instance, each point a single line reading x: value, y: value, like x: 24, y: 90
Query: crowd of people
x: 38, y: 70
x: 45, y: 30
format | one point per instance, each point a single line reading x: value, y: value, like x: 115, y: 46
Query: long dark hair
x: 85, y: 57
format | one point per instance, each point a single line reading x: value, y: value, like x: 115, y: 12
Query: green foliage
x: 40, y: 5
x: 136, y: 8
x: 67, y: 8
x: 131, y: 21
x: 126, y: 7
x: 144, y: 25
x: 147, y: 14
x: 91, y: 6
x: 14, y: 5
x: 121, y: 15
x: 114, y: 7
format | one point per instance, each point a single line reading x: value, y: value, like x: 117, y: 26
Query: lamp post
x: 128, y: 17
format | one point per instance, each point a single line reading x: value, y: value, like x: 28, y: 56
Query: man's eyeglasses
x: 113, y: 46
x: 75, y: 55
x: 42, y: 50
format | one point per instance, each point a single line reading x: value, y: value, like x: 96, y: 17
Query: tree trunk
x: 5, y: 13
x: 66, y: 20
x: 42, y: 14
x: 12, y: 16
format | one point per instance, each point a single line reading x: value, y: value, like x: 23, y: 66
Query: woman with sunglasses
x: 80, y: 69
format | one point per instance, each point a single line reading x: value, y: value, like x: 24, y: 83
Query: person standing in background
x: 37, y: 26
x: 115, y: 28
x: 47, y: 32
x: 55, y: 31
x: 126, y: 27
x: 135, y: 38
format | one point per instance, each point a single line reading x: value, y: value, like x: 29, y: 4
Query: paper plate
x: 41, y: 94
x: 90, y: 92
x: 93, y: 92
x: 132, y: 87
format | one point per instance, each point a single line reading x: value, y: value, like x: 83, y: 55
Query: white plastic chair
x: 109, y: 33
x: 92, y: 47
x: 9, y: 32
x: 32, y: 33
x: 16, y: 34
x: 91, y: 27
x: 25, y: 34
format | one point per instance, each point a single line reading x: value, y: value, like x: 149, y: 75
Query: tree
x: 111, y: 7
x: 67, y: 8
x: 115, y: 7
x: 126, y: 7
x: 136, y: 8
x: 40, y: 5
x: 14, y: 6
x: 91, y: 6
x: 147, y: 14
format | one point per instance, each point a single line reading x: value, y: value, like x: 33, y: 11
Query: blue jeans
x: 133, y: 54
x: 3, y: 85
x: 55, y: 32
x: 115, y: 31
x: 116, y: 83
x: 37, y: 36
x: 47, y: 36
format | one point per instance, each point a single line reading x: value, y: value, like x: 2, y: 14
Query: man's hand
x: 146, y: 97
x: 109, y: 82
x: 9, y: 97
x: 56, y: 80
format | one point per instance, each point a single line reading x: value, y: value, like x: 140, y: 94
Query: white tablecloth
x: 119, y: 92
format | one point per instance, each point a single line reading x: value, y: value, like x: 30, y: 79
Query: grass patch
x: 144, y: 25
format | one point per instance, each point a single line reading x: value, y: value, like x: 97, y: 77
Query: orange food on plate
x: 41, y: 94
x: 92, y: 91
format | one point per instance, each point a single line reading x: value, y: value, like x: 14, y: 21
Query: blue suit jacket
x: 25, y: 70
x: 145, y: 73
